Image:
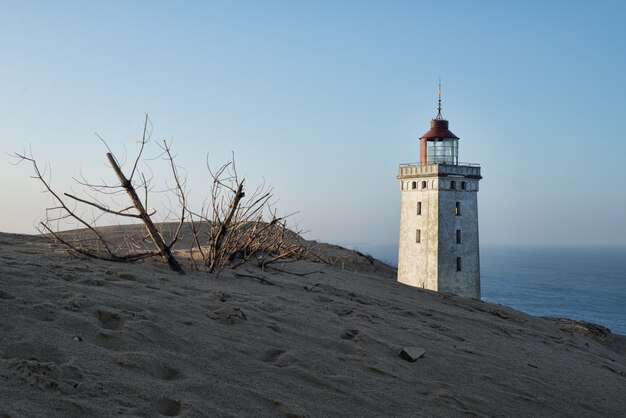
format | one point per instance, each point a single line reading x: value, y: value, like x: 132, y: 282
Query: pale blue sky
x: 324, y: 99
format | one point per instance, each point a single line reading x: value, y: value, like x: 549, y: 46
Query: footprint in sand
x: 38, y: 374
x: 275, y: 328
x: 128, y: 276
x: 111, y: 320
x: 146, y: 364
x: 169, y: 407
x: 67, y: 276
x: 228, y: 315
x: 73, y: 302
x: 168, y: 373
x: 220, y: 295
x: 285, y: 410
x: 351, y: 334
x: 45, y: 312
x: 272, y: 356
x: 439, y: 327
x: 344, y: 311
x: 110, y: 341
x: 91, y: 282
x: 279, y: 358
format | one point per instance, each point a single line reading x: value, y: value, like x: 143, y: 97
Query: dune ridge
x: 84, y: 337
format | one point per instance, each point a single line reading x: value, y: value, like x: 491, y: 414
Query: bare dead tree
x: 232, y: 228
x: 93, y: 242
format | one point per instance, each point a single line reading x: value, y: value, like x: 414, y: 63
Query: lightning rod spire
x: 439, y: 102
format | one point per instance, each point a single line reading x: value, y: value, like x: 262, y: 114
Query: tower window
x: 423, y: 184
x: 463, y: 185
x: 414, y: 185
x: 419, y: 208
x: 458, y: 264
x: 418, y: 236
x: 458, y: 236
x: 457, y: 209
x: 452, y: 185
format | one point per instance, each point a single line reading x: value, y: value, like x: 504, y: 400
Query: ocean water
x: 574, y: 282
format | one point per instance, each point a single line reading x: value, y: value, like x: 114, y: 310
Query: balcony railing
x: 418, y: 163
x: 419, y: 170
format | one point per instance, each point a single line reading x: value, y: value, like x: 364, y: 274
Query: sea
x: 583, y: 283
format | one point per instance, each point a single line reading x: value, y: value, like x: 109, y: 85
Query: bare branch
x: 144, y: 139
x: 104, y: 209
x: 69, y: 211
x: 180, y: 192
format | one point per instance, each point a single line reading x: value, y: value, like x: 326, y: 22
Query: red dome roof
x: 439, y: 130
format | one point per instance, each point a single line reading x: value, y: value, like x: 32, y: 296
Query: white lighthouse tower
x: 438, y: 244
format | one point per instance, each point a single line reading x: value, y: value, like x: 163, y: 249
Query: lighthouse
x: 438, y: 241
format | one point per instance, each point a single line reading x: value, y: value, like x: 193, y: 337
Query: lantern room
x: 439, y: 145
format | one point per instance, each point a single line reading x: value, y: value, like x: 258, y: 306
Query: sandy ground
x: 92, y: 338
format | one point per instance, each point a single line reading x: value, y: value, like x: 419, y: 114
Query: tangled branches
x: 229, y: 229
x: 236, y: 226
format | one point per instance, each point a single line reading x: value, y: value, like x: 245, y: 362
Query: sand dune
x: 91, y: 338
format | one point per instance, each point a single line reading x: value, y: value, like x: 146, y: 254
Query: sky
x: 323, y: 100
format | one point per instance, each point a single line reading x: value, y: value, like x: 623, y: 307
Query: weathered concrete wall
x: 417, y: 262
x: 465, y: 282
x: 432, y: 263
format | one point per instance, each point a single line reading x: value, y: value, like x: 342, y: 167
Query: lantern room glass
x: 442, y: 151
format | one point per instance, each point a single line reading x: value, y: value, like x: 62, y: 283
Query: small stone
x: 77, y: 338
x: 412, y: 353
